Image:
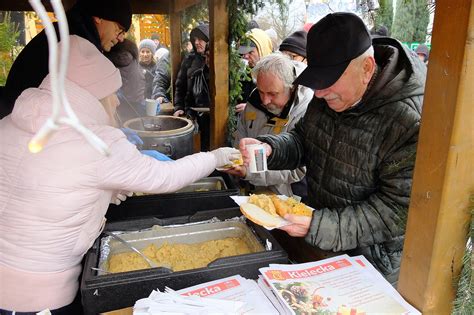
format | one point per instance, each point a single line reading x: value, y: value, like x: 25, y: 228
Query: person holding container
x: 275, y: 106
x: 357, y: 139
x: 52, y: 203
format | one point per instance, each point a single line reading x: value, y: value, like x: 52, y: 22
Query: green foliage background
x: 384, y: 15
x: 8, y: 36
x: 410, y: 21
x: 240, y: 12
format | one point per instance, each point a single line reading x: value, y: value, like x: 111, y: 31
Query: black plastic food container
x: 175, y: 204
x: 115, y: 291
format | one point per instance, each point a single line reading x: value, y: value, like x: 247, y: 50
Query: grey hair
x: 279, y: 65
x: 368, y: 53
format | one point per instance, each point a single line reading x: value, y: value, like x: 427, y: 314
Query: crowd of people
x: 336, y: 107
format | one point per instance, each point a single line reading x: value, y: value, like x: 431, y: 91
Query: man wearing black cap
x: 102, y: 22
x: 358, y: 141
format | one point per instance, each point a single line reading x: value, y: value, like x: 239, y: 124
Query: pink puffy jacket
x: 52, y: 203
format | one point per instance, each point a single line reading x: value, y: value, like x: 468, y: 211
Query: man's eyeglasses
x: 119, y: 30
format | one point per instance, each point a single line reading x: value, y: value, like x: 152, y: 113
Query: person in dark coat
x: 357, y: 139
x: 131, y: 94
x: 101, y: 22
x: 183, y: 96
x: 162, y: 81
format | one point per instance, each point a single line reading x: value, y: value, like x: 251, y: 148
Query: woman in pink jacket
x: 52, y: 203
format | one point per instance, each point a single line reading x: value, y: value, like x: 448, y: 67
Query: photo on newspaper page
x: 338, y: 285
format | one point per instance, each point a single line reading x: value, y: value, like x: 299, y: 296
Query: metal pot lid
x: 154, y: 126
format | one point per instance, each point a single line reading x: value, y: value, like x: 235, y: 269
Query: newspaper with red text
x: 235, y: 288
x: 339, y: 285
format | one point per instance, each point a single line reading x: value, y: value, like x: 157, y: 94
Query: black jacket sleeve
x: 181, y: 85
x: 287, y: 148
x: 162, y: 80
x: 28, y: 70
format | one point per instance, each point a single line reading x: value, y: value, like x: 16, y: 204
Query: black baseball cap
x: 332, y: 44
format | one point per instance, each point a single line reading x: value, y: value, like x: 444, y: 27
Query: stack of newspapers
x: 231, y: 295
x: 339, y: 285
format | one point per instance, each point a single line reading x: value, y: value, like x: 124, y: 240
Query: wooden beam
x: 138, y: 6
x: 219, y: 70
x: 439, y: 217
x: 150, y: 6
x: 181, y: 5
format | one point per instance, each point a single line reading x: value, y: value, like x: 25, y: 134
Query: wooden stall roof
x: 138, y: 6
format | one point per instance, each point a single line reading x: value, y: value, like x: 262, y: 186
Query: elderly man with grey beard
x: 275, y: 106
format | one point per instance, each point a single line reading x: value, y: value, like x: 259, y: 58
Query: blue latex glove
x: 156, y: 155
x: 132, y: 136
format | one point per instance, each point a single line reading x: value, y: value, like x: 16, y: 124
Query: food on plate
x: 268, y: 210
x: 179, y: 256
x: 282, y: 207
x: 297, y: 207
x: 264, y: 202
x: 278, y: 206
x: 259, y: 216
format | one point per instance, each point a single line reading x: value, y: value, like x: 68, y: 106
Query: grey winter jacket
x: 254, y: 121
x: 360, y: 162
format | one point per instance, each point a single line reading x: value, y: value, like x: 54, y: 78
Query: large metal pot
x: 169, y: 135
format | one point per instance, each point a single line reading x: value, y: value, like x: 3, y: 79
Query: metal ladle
x: 121, y: 240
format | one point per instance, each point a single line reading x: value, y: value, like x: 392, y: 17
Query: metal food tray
x: 185, y: 234
x: 205, y: 184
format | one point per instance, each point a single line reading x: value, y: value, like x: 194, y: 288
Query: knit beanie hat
x: 90, y: 69
x: 147, y: 43
x: 296, y: 43
x: 118, y: 11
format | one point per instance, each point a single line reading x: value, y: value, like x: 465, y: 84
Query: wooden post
x: 219, y: 71
x: 439, y: 214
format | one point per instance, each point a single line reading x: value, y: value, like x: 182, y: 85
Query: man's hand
x: 246, y: 141
x: 237, y: 170
x: 299, y: 226
x: 240, y: 107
